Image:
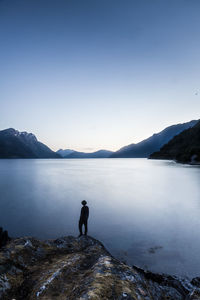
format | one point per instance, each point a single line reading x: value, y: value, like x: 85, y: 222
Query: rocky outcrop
x: 4, y: 238
x: 80, y: 268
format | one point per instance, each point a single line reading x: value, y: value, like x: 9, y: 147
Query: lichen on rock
x: 80, y: 268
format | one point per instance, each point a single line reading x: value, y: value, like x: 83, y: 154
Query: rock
x: 80, y: 268
x: 4, y: 238
x: 196, y: 281
x: 194, y: 295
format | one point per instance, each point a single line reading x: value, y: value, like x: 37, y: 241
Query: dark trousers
x: 81, y: 223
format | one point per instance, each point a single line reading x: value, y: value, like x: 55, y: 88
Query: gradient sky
x: 94, y: 74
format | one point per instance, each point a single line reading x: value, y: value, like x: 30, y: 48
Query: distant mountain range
x: 75, y: 154
x: 184, y: 147
x: 65, y: 152
x: 153, y: 143
x: 15, y: 144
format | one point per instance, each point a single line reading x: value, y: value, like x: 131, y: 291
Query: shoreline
x: 176, y: 161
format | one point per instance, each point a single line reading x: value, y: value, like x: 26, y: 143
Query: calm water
x: 145, y: 212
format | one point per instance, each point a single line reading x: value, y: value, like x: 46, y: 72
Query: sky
x: 98, y: 74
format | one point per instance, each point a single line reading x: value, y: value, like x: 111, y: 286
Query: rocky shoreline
x: 81, y: 268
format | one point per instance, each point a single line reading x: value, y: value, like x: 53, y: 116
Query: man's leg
x: 86, y: 229
x: 80, y: 227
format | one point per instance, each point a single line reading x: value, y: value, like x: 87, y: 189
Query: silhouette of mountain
x: 184, y: 147
x: 65, y: 152
x: 153, y: 143
x: 15, y: 144
x: 97, y: 154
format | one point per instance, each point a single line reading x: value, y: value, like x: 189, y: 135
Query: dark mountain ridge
x: 96, y: 154
x: 184, y: 147
x: 16, y: 144
x: 65, y: 152
x: 153, y: 143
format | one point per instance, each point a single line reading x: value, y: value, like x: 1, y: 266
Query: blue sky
x: 93, y: 74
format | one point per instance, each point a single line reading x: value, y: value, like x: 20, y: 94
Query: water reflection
x: 135, y: 205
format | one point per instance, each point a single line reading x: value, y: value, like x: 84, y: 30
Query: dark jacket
x: 84, y: 213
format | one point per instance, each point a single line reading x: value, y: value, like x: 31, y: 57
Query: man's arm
x: 82, y: 213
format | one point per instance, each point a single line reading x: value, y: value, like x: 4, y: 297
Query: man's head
x: 84, y: 202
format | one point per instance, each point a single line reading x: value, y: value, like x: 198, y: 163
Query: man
x: 83, y: 217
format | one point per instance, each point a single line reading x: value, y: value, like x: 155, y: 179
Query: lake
x: 146, y: 212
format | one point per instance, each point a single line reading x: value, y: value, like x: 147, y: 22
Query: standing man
x: 83, y: 217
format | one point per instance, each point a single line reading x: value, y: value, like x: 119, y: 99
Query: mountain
x: 97, y: 154
x: 184, y: 147
x: 153, y: 143
x: 65, y: 152
x: 15, y: 144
